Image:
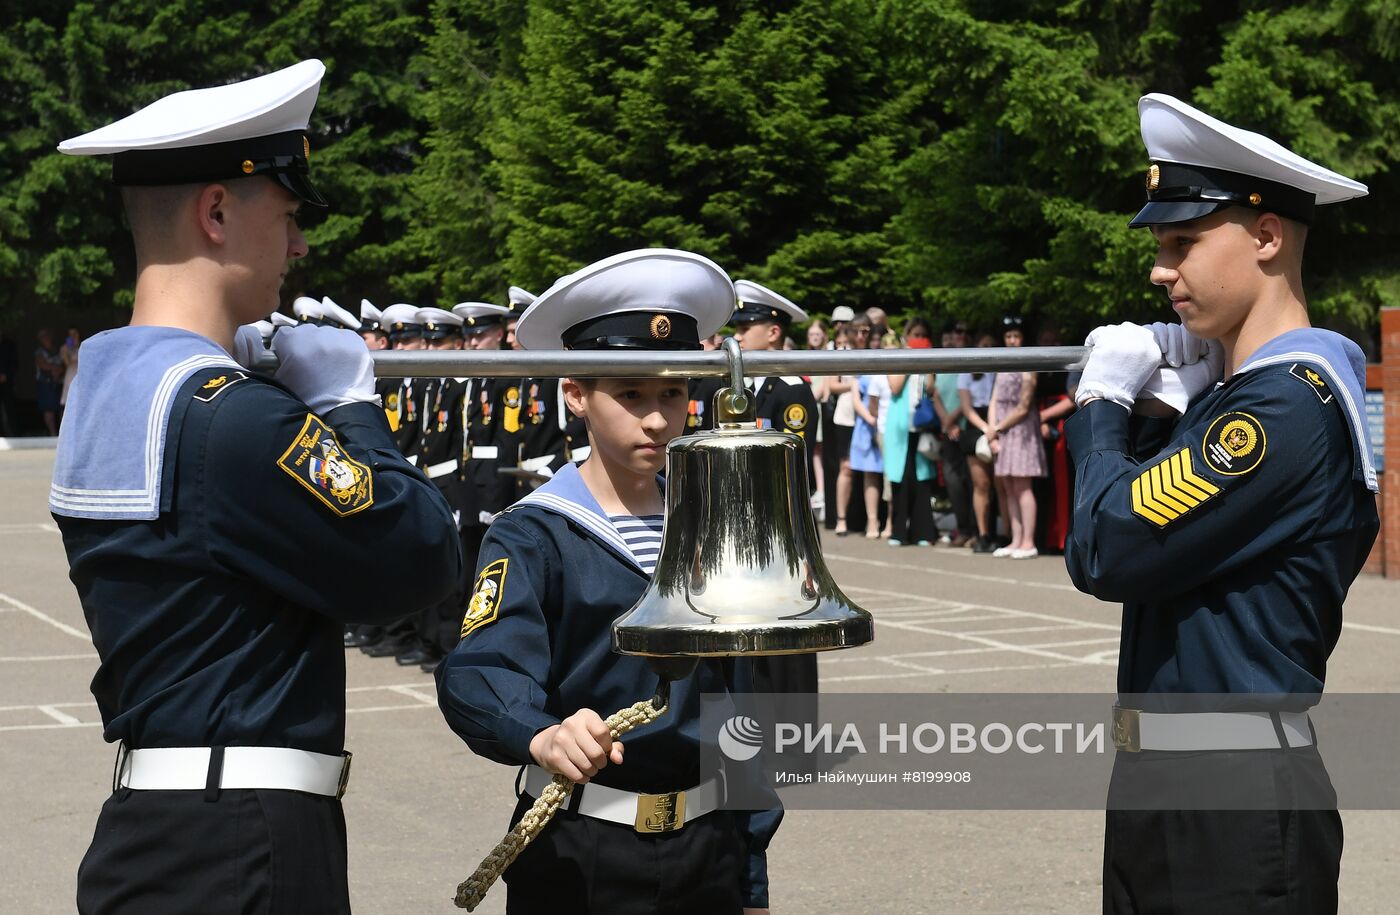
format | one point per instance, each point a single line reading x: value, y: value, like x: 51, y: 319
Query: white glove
x: 1124, y: 356
x: 1177, y: 387
x: 248, y: 346
x: 1178, y: 346
x: 327, y: 367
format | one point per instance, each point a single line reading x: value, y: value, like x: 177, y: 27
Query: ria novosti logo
x: 741, y: 738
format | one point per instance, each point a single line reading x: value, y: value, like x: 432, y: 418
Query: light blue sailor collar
x: 567, y: 494
x: 110, y: 461
x: 1342, y: 361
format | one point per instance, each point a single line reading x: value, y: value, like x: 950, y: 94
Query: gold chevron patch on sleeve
x: 1169, y: 489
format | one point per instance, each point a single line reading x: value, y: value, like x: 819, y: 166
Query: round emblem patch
x: 1234, y: 444
x: 513, y: 397
x: 795, y: 416
x: 660, y: 327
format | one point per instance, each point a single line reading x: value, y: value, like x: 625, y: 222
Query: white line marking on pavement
x: 50, y: 727
x: 61, y: 717
x: 40, y: 615
x: 1000, y: 579
x: 1362, y: 627
x: 1049, y: 618
x: 991, y: 643
x: 29, y: 528
x: 51, y: 657
x: 973, y: 670
x: 412, y: 693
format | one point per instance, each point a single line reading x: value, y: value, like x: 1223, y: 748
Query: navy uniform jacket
x: 537, y: 647
x: 785, y: 403
x: 547, y: 432
x: 217, y: 608
x: 1232, y: 548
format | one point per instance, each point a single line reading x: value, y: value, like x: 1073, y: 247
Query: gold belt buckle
x: 660, y: 812
x: 1127, y: 729
x: 344, y: 776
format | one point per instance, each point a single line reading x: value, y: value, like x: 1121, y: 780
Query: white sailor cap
x: 479, y: 316
x: 266, y: 329
x: 520, y: 299
x: 370, y: 317
x: 401, y: 322
x: 759, y: 303
x: 254, y: 127
x: 654, y: 298
x: 439, y: 323
x: 1200, y: 164
x: 308, y: 310
x: 280, y: 320
x: 341, y: 316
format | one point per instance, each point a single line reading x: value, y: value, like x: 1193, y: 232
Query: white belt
x: 187, y: 769
x: 646, y: 813
x: 438, y: 470
x: 1135, y: 730
x: 412, y: 459
x: 483, y: 452
x: 535, y: 464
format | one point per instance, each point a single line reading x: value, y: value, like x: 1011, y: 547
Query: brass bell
x: 741, y: 570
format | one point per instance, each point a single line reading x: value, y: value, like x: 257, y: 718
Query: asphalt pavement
x: 422, y: 809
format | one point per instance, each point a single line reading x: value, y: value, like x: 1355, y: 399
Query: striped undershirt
x: 642, y: 534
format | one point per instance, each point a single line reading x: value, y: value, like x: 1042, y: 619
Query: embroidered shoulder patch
x: 218, y: 385
x: 1169, y: 489
x: 1234, y: 444
x: 1313, y: 379
x: 316, y: 461
x: 795, y: 416
x: 486, y: 596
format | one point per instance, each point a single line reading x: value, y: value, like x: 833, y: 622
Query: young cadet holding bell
x: 221, y: 526
x: 1233, y: 546
x: 534, y: 672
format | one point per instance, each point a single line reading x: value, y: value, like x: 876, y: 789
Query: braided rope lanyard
x: 472, y: 890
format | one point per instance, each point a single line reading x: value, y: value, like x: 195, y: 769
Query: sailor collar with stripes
x: 567, y: 494
x: 110, y: 462
x: 1344, y: 364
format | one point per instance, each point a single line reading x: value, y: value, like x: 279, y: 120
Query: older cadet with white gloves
x: 1233, y: 546
x: 221, y: 526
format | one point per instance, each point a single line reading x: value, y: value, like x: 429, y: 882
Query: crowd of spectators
x: 970, y: 460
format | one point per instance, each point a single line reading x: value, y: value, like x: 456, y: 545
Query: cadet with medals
x: 440, y: 450
x: 534, y: 667
x: 1233, y: 546
x: 221, y: 526
x: 483, y: 326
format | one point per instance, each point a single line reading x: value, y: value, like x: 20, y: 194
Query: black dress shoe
x: 415, y: 655
x: 360, y: 639
x: 388, y: 648
x: 430, y: 667
x: 984, y: 545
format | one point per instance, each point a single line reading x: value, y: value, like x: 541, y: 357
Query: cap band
x: 1210, y: 189
x: 658, y: 330
x: 750, y: 311
x: 280, y: 156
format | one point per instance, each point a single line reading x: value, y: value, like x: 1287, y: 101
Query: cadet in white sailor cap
x: 534, y: 666
x: 1233, y: 546
x: 221, y: 528
x: 309, y: 310
x: 371, y: 326
x: 520, y: 299
x: 339, y: 316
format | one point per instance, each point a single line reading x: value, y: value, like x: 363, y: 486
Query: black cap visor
x: 300, y: 185
x: 1165, y: 212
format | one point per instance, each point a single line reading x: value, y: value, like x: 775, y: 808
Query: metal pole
x: 712, y: 363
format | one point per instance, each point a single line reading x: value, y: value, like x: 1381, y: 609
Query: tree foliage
x: 967, y: 157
